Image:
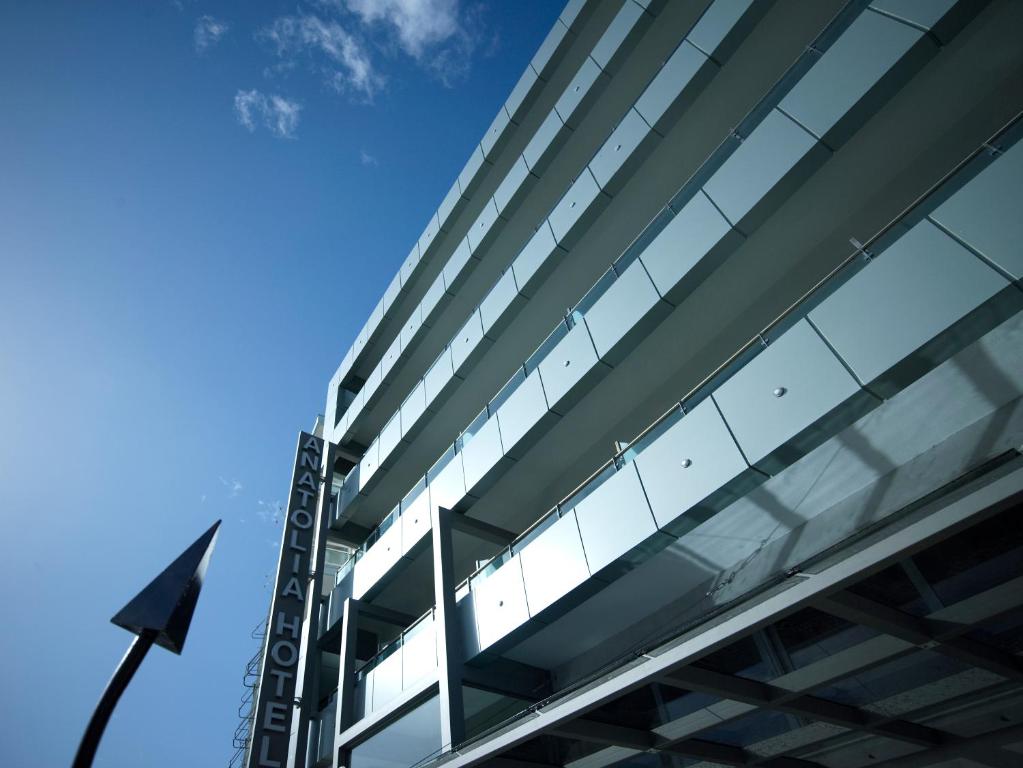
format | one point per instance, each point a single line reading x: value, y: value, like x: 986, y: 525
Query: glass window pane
x: 975, y: 560
x: 811, y: 635
x: 410, y: 739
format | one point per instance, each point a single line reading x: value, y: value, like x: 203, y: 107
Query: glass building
x: 689, y: 431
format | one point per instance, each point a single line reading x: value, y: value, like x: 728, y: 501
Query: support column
x: 307, y: 684
x: 345, y: 708
x: 449, y: 647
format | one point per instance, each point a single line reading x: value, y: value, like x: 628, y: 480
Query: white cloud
x: 349, y: 67
x: 270, y: 511
x: 438, y: 34
x: 208, y: 32
x: 366, y: 158
x: 234, y: 486
x: 277, y: 114
x: 418, y: 24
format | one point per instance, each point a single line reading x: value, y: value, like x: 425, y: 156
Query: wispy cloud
x: 347, y: 67
x: 367, y: 159
x: 277, y: 114
x: 440, y: 35
x: 234, y: 486
x: 270, y: 511
x: 208, y: 32
x: 418, y: 24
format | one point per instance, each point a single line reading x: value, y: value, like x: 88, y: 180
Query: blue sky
x: 200, y: 202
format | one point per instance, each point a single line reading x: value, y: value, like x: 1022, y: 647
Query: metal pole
x: 122, y: 676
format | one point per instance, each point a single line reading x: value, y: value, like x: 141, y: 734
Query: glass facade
x: 410, y: 740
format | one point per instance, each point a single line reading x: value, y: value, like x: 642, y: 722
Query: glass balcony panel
x: 614, y: 519
x: 626, y: 310
x: 984, y: 214
x: 491, y: 567
x: 716, y: 23
x: 469, y: 178
x: 376, y: 562
x: 768, y: 154
x: 507, y: 390
x: 513, y: 188
x: 387, y: 680
x: 572, y: 214
x: 392, y: 291
x: 905, y: 298
x: 493, y: 139
x: 456, y: 270
x: 598, y: 289
x: 497, y: 302
x: 409, y: 265
x: 481, y: 230
x: 520, y: 413
x: 535, y: 260
x: 369, y: 464
x: 413, y: 408
x: 686, y: 470
x: 535, y: 530
x: 541, y: 352
x: 453, y: 202
x: 429, y: 235
x: 411, y: 327
x: 439, y: 376
x: 545, y: 59
x: 618, y: 153
x: 776, y: 405
x: 692, y: 244
x: 864, y: 53
x: 390, y: 436
x: 553, y: 564
x: 546, y: 142
x: 474, y: 426
x: 925, y: 14
x: 433, y: 298
x: 372, y: 383
x: 565, y: 367
x: 519, y: 99
x: 415, y: 522
x: 481, y: 455
x: 659, y: 104
x: 573, y: 104
x: 419, y: 653
x: 466, y: 341
x: 500, y: 602
x: 626, y: 26
x: 591, y: 485
x: 447, y: 489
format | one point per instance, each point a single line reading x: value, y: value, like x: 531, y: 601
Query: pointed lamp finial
x: 166, y: 605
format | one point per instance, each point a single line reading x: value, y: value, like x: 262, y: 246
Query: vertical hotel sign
x: 271, y: 724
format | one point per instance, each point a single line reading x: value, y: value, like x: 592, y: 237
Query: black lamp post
x: 161, y: 614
